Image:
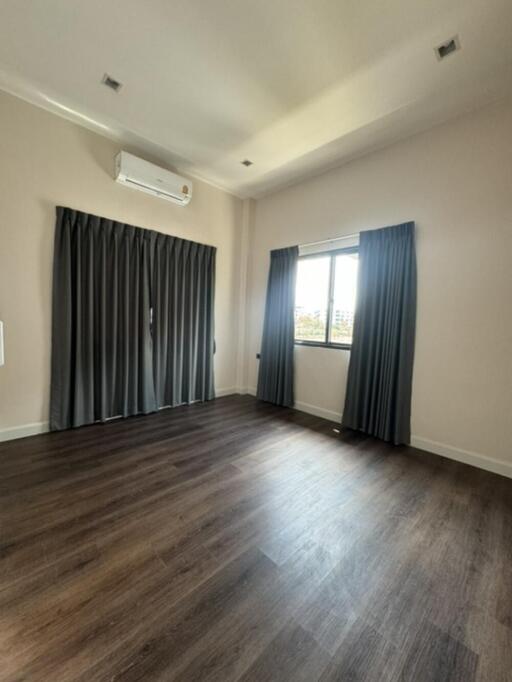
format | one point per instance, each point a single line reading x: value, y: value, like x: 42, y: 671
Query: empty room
x: 256, y: 341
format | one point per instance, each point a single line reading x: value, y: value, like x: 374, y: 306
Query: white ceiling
x: 294, y: 85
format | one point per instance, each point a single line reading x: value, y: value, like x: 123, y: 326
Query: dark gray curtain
x: 378, y: 398
x: 183, y: 335
x: 275, y: 377
x: 108, y: 317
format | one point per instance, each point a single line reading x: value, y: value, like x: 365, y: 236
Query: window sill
x: 322, y: 344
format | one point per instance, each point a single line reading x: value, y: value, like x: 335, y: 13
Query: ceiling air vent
x: 447, y: 48
x: 111, y: 83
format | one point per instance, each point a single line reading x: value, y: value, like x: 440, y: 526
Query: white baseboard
x: 475, y: 459
x: 221, y: 392
x: 24, y: 430
x: 318, y: 411
x: 307, y: 407
x: 310, y: 409
x: 466, y: 456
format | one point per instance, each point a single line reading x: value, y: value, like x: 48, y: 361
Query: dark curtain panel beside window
x: 108, y: 317
x: 378, y: 399
x: 183, y: 335
x: 275, y: 377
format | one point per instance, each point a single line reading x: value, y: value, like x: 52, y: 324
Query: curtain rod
x: 331, y: 239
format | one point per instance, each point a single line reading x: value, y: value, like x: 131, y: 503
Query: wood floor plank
x: 365, y: 656
x: 437, y: 657
x: 292, y: 656
x: 236, y: 540
x: 162, y: 644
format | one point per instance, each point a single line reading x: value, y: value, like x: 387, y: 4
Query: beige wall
x: 45, y: 161
x: 455, y: 181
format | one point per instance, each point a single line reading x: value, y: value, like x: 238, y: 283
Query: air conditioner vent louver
x: 157, y: 192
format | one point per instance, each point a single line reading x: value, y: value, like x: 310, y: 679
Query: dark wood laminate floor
x: 239, y: 541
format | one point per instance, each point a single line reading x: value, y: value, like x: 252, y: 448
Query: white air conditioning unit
x: 145, y: 176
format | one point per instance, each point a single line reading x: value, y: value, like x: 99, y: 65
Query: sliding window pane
x: 311, y: 299
x: 344, y: 298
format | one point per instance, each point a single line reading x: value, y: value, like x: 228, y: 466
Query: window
x: 325, y: 298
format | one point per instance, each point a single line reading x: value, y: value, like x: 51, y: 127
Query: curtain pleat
x: 379, y: 384
x: 276, y: 371
x: 124, y: 340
